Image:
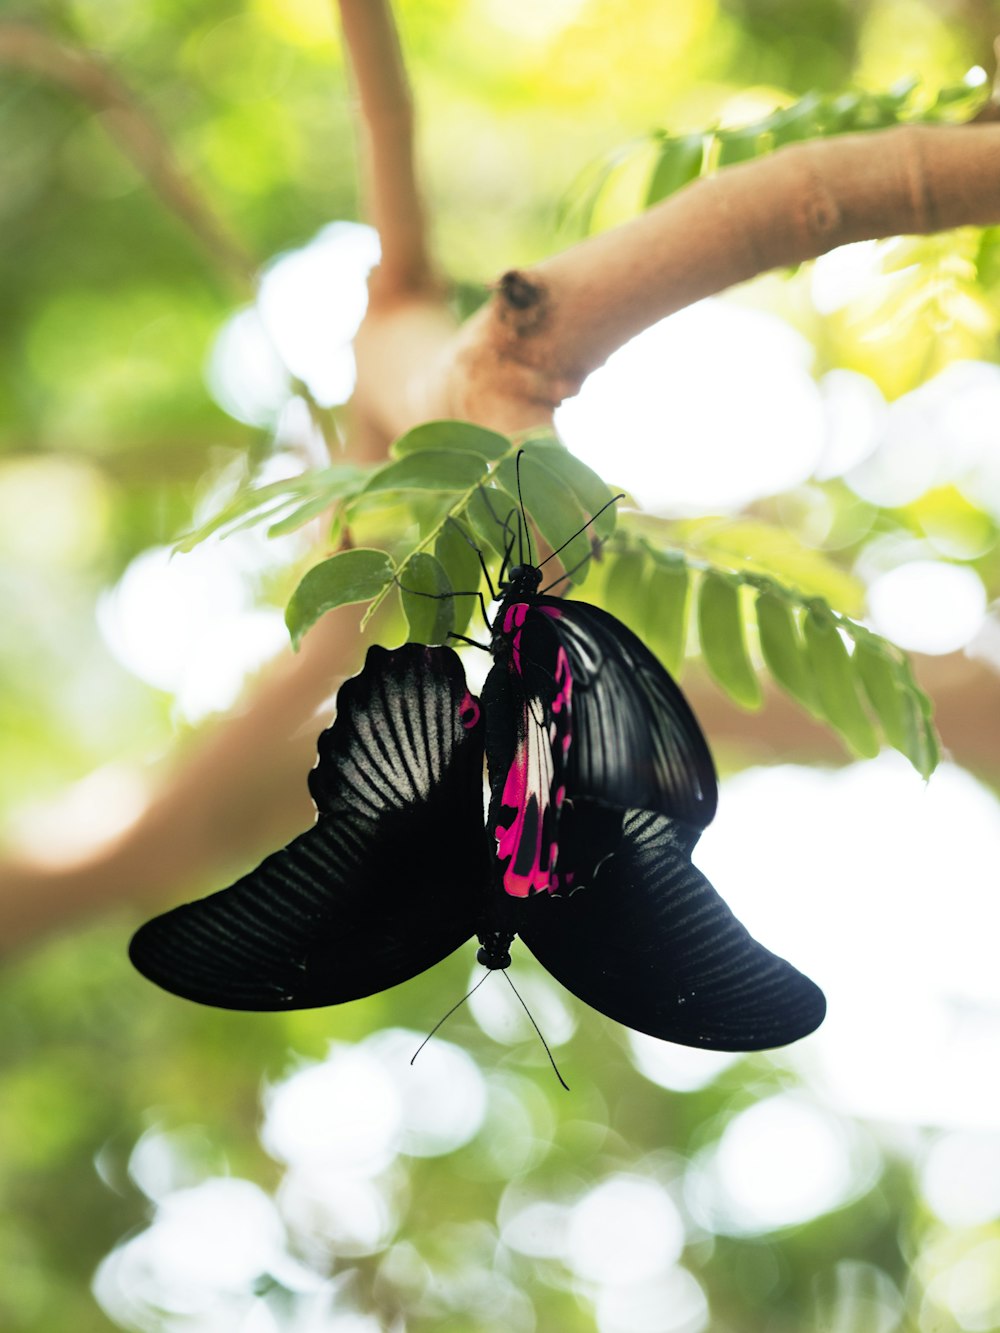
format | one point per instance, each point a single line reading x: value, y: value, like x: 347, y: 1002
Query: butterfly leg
x: 482, y: 563
x: 473, y: 643
x: 440, y: 596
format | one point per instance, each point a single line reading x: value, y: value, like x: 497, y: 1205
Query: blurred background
x: 180, y: 1170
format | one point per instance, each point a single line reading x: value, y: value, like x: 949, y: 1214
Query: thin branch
x: 130, y: 124
x: 394, y: 201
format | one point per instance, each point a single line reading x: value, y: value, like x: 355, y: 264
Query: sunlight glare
x: 343, y: 1113
x: 626, y: 1229
x: 538, y: 1230
x: 679, y: 1068
x: 186, y: 624
x: 324, y: 1207
x: 244, y: 373
x: 844, y: 274
x: 673, y: 1303
x: 855, y: 418
x: 432, y: 1123
x: 960, y: 1178
x: 501, y: 1016
x: 942, y: 431
x: 881, y: 888
x: 204, y: 1249
x: 705, y: 411
x: 928, y: 606
x: 310, y: 304
x: 312, y: 301
x: 781, y: 1162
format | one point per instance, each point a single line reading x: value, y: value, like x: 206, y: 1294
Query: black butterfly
x: 601, y: 783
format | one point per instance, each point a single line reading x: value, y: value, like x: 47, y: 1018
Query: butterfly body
x: 600, y: 785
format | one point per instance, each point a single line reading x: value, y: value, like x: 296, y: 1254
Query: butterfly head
x: 522, y: 580
x: 494, y: 952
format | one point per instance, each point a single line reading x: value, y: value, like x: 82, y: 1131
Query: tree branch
x: 238, y: 794
x: 532, y: 345
x: 136, y: 133
x: 408, y: 326
x: 548, y: 327
x: 393, y: 197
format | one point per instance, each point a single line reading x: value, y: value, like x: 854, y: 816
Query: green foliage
x: 748, y: 620
x: 434, y: 460
x: 678, y: 159
x: 836, y: 686
x: 723, y: 640
x: 110, y: 307
x: 456, y: 551
x: 349, y: 576
x: 296, y: 500
x: 762, y: 599
x: 427, y: 601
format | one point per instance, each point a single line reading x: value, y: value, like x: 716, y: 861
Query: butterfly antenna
x: 449, y: 1014
x: 520, y: 501
x: 537, y: 1029
x: 569, y: 573
x: 593, y: 519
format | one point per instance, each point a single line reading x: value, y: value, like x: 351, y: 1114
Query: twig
x: 25, y: 47
x: 386, y: 128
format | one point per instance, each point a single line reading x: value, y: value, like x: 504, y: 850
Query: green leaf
x: 678, y: 162
x: 430, y: 470
x: 452, y: 437
x: 427, y: 603
x: 667, y: 591
x: 750, y: 545
x: 256, y: 504
x: 792, y: 124
x: 740, y: 145
x: 783, y: 650
x: 885, y: 686
x: 723, y: 639
x: 831, y: 668
x: 348, y: 576
x: 300, y: 516
x: 625, y: 590
x: 488, y: 509
x: 461, y: 565
x: 586, y: 485
x: 555, y: 510
x: 926, y: 751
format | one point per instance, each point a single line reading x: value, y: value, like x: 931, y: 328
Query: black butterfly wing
x: 651, y: 944
x: 388, y: 881
x: 633, y: 739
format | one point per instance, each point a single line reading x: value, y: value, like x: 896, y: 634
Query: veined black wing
x: 634, y: 741
x: 651, y: 944
x: 387, y: 882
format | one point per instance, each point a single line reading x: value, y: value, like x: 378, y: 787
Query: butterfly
x: 600, y: 784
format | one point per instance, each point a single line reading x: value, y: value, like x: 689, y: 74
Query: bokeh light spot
x: 781, y: 1162
x: 674, y: 1303
x: 928, y: 606
x: 344, y: 1112
x: 679, y: 1068
x: 960, y: 1177
x: 432, y: 1124
x: 705, y: 411
x: 627, y: 1229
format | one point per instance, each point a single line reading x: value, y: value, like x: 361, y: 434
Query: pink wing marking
x: 468, y: 711
x: 531, y: 790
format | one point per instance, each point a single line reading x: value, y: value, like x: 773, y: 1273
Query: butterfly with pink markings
x: 601, y: 783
